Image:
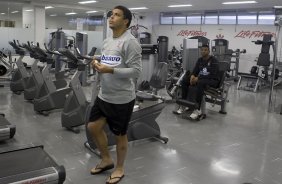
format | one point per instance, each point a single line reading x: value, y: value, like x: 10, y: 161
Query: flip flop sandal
x: 102, y: 169
x: 117, y: 177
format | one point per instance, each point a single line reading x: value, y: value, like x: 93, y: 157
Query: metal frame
x: 278, y: 24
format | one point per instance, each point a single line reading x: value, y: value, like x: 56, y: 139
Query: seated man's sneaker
x: 195, y: 114
x: 180, y: 110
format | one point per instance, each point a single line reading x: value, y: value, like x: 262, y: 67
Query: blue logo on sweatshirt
x: 111, y: 60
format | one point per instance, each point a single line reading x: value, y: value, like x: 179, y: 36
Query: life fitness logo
x: 111, y: 60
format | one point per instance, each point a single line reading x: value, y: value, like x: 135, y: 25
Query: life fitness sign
x: 191, y: 33
x: 244, y: 34
x: 247, y: 34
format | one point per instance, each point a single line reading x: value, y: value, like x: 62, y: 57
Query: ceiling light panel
x: 71, y: 13
x: 138, y: 8
x: 48, y: 7
x: 180, y: 5
x: 239, y: 2
x: 91, y: 11
x: 86, y: 2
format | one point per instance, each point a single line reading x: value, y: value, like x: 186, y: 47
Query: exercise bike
x: 76, y: 105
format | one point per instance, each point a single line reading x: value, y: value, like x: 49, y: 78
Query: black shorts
x: 117, y: 115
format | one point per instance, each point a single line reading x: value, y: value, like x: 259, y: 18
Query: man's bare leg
x: 100, y: 138
x: 122, y: 143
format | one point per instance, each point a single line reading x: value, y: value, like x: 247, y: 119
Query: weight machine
x: 260, y: 78
x: 221, y: 51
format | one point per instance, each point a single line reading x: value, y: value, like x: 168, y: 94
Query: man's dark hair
x: 126, y: 13
x: 206, y: 46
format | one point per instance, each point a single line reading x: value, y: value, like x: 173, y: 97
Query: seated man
x: 205, y: 73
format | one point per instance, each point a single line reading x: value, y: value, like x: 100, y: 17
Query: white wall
x: 8, y: 34
x: 28, y: 17
x: 147, y: 20
x: 58, y: 22
x: 39, y: 24
x: 64, y: 22
x: 239, y: 37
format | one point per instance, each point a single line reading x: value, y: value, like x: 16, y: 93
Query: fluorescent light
x: 15, y: 12
x: 180, y: 5
x: 48, y: 7
x: 86, y: 2
x: 71, y: 13
x: 91, y: 11
x: 3, y: 13
x: 53, y: 15
x: 277, y: 7
x: 240, y: 2
x: 138, y: 8
x: 30, y: 10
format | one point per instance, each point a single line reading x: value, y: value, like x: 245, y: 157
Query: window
x: 266, y: 18
x: 95, y: 20
x: 247, y: 17
x: 179, y: 20
x: 227, y: 17
x: 7, y: 23
x: 166, y: 18
x: 211, y: 18
x: 194, y: 19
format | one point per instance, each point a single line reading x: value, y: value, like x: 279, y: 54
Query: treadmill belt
x: 22, y: 161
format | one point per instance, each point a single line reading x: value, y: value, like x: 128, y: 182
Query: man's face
x: 205, y: 51
x: 116, y: 20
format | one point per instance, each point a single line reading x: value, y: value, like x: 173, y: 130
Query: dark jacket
x: 206, y: 69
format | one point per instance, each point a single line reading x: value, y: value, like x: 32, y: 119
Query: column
x: 34, y: 18
x: 39, y: 24
x: 28, y: 17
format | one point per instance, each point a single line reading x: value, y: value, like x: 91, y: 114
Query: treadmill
x: 7, y: 131
x: 29, y: 165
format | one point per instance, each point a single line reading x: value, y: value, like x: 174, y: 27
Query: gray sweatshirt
x: 124, y: 55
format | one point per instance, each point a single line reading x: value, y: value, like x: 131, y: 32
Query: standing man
x: 119, y: 68
x: 205, y: 73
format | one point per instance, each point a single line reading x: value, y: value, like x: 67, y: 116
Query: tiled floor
x: 244, y: 146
